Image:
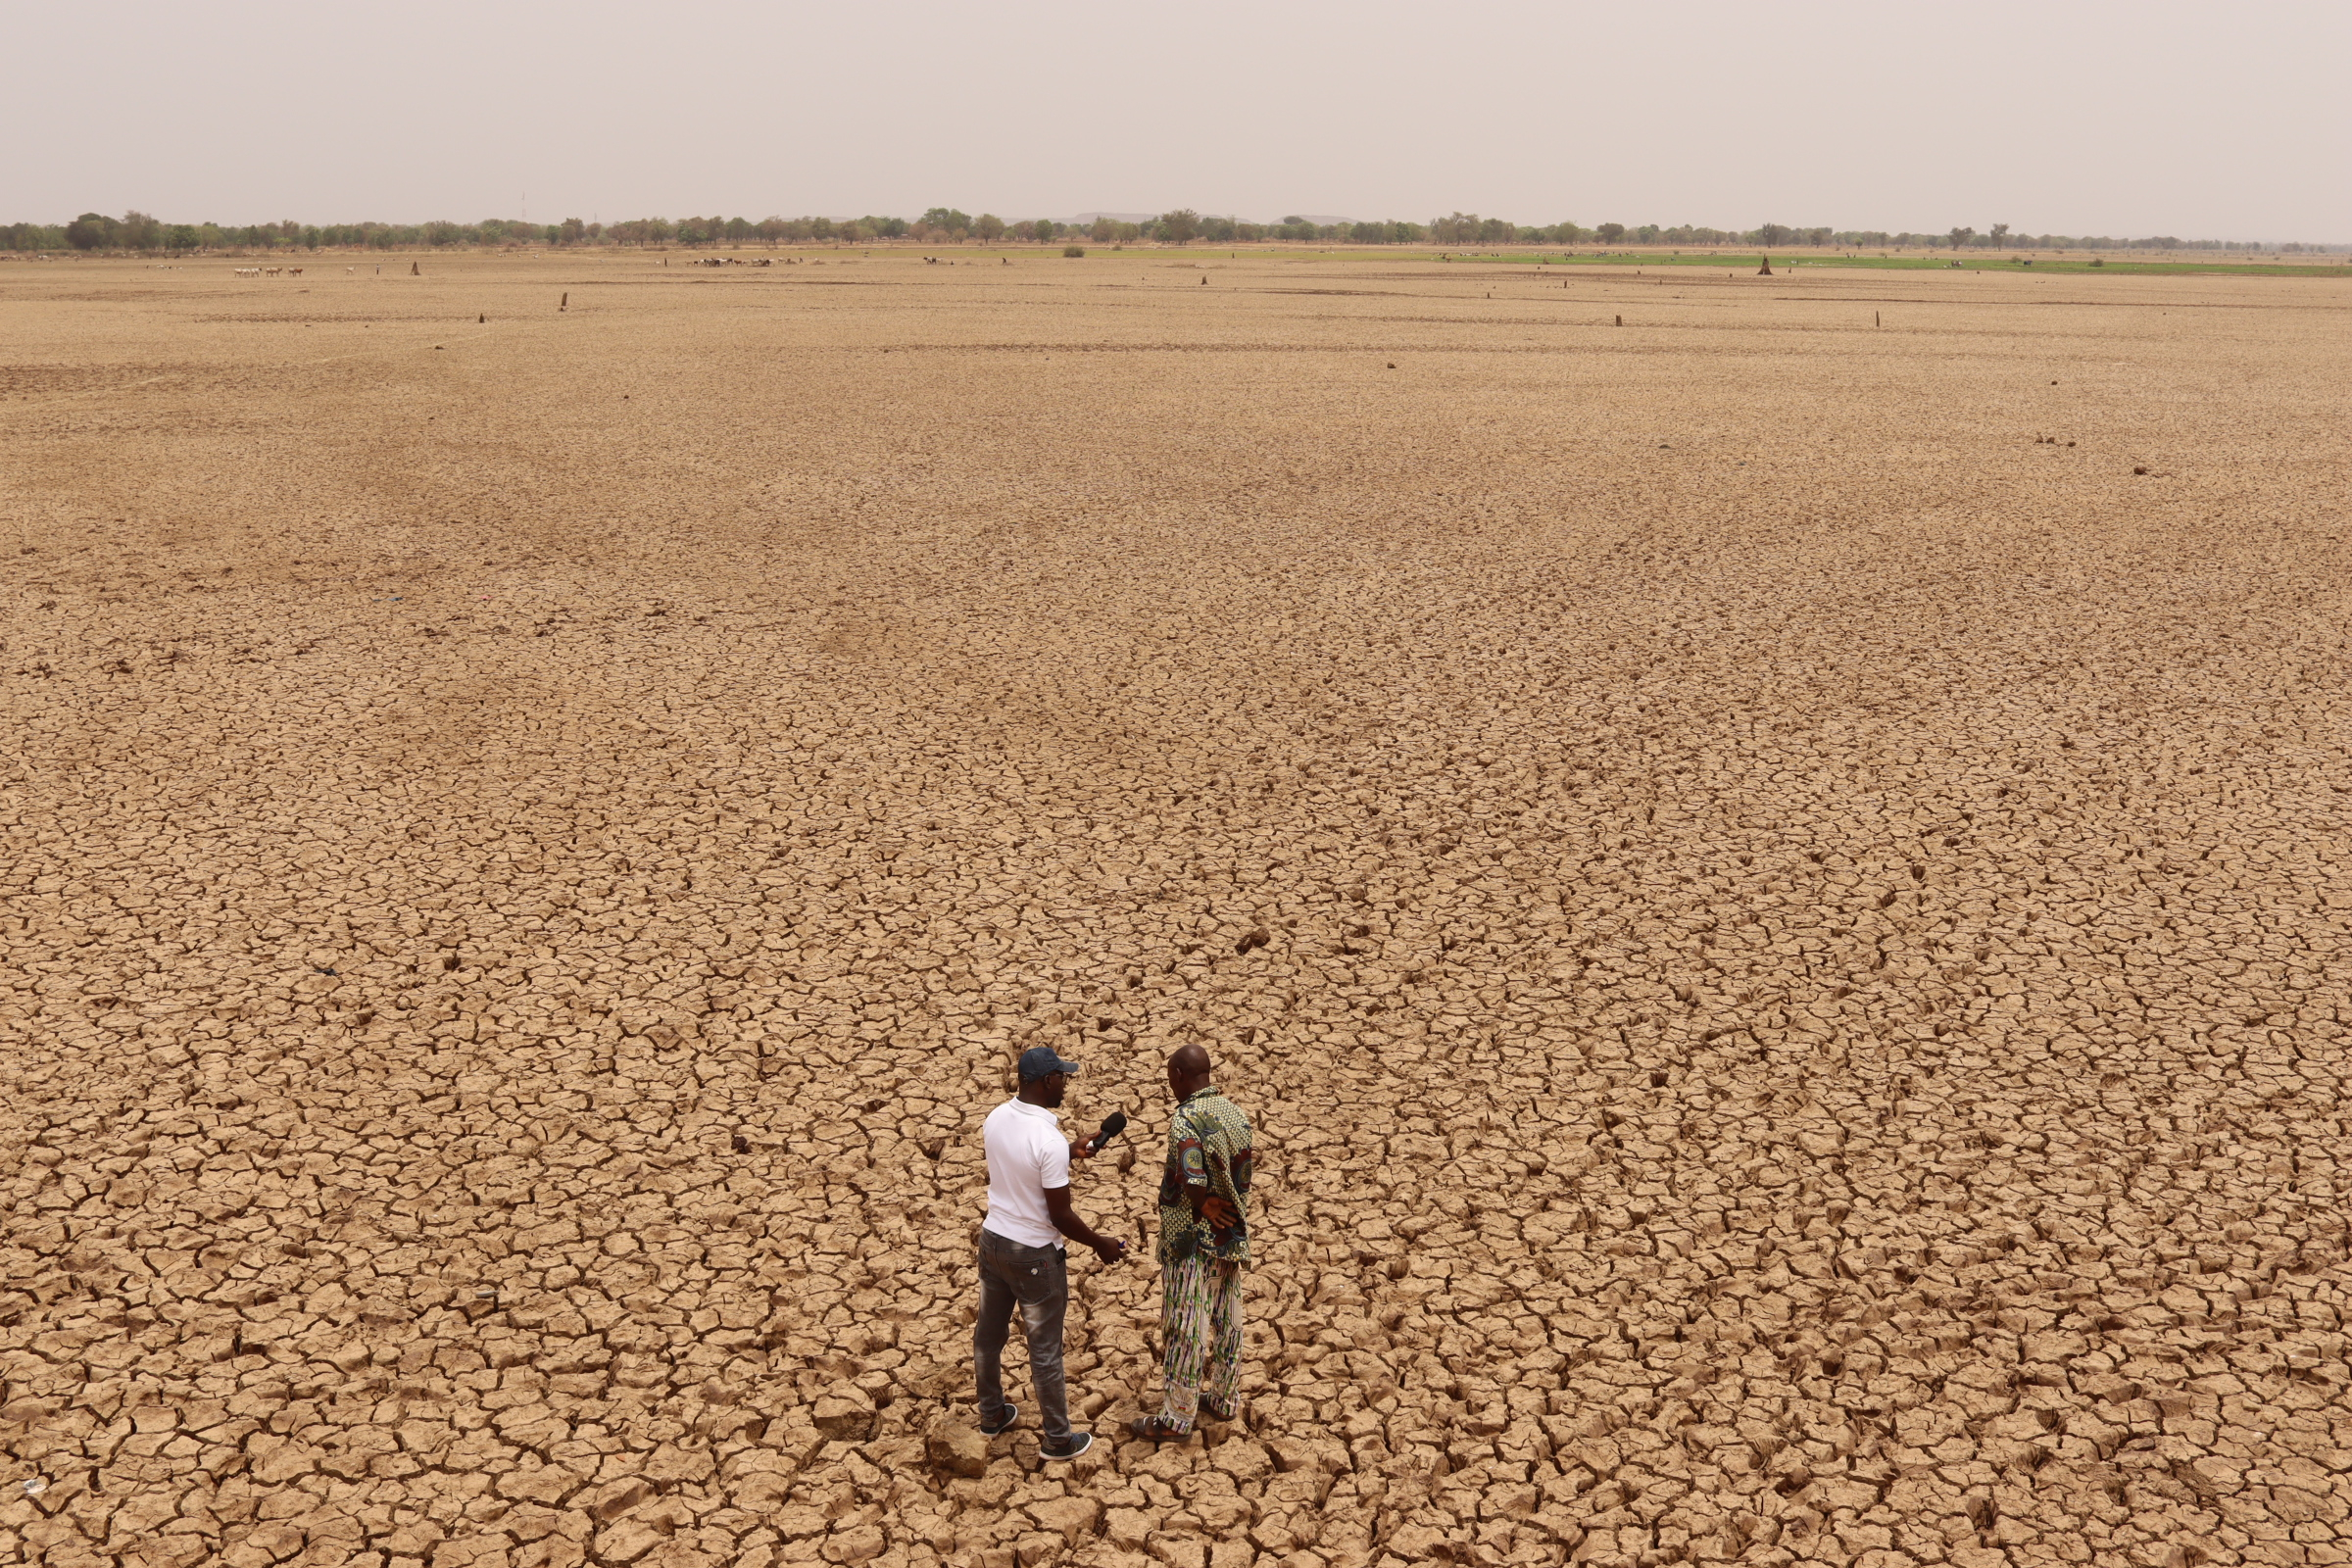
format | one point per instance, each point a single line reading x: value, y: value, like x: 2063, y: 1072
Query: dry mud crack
x: 1786, y: 938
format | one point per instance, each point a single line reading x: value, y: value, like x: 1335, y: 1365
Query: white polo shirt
x: 1026, y: 1154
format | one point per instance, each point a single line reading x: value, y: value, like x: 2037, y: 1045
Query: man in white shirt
x: 1022, y: 1260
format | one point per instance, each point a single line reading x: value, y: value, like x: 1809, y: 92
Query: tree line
x: 140, y: 232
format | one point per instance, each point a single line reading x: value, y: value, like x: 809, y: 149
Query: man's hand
x: 1109, y: 1249
x: 1079, y: 1150
x: 1218, y: 1211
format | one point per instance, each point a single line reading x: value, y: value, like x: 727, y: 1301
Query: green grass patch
x: 1938, y: 263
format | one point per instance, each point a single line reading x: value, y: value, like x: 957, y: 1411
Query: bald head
x: 1188, y: 1072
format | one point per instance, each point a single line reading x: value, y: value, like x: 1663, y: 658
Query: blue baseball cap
x: 1040, y: 1061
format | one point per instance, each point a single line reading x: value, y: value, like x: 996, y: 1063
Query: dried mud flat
x: 1786, y: 934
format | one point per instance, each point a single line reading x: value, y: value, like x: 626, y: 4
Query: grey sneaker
x: 1013, y: 1414
x: 1070, y: 1448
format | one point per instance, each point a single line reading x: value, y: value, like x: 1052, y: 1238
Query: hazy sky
x: 2075, y: 116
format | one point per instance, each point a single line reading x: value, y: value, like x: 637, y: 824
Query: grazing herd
x: 710, y: 261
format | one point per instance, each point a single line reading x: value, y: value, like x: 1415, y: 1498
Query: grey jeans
x: 1038, y: 1279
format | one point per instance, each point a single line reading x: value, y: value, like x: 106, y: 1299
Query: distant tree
x: 1217, y: 230
x: 851, y: 232
x: 946, y: 217
x: 91, y: 231
x: 2000, y: 232
x: 1458, y: 228
x: 1102, y: 231
x: 1610, y: 233
x: 139, y: 233
x: 1774, y: 235
x: 1817, y: 236
x: 1179, y: 227
x: 987, y: 228
x: 1961, y: 236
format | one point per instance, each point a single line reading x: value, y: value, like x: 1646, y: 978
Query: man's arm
x: 1206, y: 1205
x: 1065, y: 1220
x: 1218, y: 1211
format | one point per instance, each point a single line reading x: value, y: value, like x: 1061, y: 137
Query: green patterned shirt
x: 1208, y: 1144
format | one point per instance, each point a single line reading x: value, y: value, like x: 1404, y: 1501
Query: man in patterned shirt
x: 1203, y: 1248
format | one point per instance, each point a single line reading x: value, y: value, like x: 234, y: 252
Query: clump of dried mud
x: 1784, y: 934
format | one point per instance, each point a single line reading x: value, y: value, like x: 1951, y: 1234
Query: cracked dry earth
x: 1780, y: 910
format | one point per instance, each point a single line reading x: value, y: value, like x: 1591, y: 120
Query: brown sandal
x: 1151, y: 1429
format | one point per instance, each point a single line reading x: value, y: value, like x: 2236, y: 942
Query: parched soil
x: 1776, y: 885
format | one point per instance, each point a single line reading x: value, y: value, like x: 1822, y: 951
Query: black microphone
x: 1112, y: 1125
